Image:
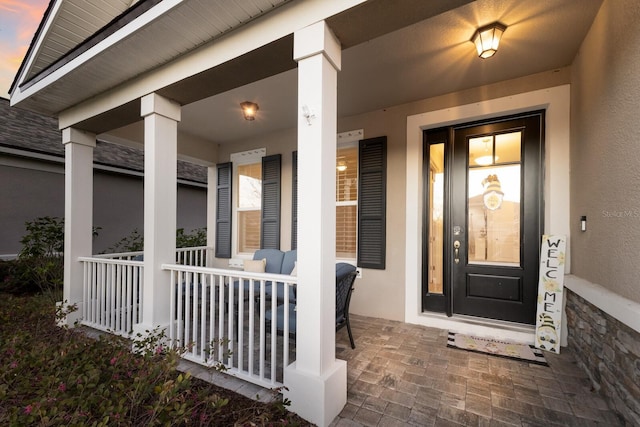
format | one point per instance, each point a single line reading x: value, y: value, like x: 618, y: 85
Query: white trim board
x: 556, y: 102
x: 616, y: 306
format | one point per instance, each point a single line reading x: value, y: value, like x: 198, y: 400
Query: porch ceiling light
x: 249, y: 110
x: 341, y: 167
x: 487, y: 39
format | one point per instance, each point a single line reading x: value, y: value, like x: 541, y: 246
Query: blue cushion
x: 274, y: 259
x: 280, y: 319
x: 289, y: 261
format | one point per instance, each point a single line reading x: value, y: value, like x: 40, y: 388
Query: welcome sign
x: 550, y: 292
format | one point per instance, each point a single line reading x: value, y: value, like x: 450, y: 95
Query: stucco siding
x: 381, y: 293
x: 605, y: 180
x: 26, y: 194
x: 33, y: 189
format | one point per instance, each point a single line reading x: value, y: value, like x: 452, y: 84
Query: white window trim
x: 239, y: 159
x: 344, y: 140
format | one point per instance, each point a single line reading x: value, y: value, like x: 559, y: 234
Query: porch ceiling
x: 394, y: 52
x: 422, y: 59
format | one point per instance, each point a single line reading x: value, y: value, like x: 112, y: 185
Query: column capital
x: 77, y: 136
x: 316, y: 39
x: 156, y: 104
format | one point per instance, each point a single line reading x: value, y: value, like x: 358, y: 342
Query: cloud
x: 19, y: 20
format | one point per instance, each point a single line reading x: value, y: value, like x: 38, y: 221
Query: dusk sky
x: 19, y: 20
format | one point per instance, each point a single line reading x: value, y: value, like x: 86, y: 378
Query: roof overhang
x: 97, y: 86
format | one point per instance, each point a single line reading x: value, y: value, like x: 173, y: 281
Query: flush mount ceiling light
x: 487, y: 39
x: 488, y: 158
x: 249, y: 110
x: 342, y: 166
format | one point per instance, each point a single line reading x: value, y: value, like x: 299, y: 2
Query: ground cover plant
x: 53, y: 376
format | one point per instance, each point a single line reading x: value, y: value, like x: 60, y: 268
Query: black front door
x: 488, y: 237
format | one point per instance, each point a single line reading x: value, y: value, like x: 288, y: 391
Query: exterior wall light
x: 487, y: 39
x: 249, y: 110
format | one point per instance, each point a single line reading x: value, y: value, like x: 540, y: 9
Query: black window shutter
x: 270, y: 231
x: 372, y: 202
x: 223, y: 210
x: 294, y: 200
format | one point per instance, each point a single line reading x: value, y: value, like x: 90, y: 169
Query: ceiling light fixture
x: 487, y: 39
x: 249, y: 110
x: 342, y: 166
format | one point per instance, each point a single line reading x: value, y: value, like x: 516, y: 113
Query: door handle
x: 456, y: 249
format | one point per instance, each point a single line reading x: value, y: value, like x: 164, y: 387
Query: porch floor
x: 401, y: 374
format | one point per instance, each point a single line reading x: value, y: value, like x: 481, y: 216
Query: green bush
x: 52, y: 376
x: 134, y: 242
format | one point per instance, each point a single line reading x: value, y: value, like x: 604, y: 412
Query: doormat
x: 509, y: 350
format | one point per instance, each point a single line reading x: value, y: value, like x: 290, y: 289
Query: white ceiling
x: 430, y: 58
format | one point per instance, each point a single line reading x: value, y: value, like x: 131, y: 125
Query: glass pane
x: 494, y: 215
x: 346, y: 231
x: 481, y: 151
x: 249, y: 185
x: 248, y: 231
x: 347, y: 174
x: 508, y: 147
x: 435, y: 215
x: 249, y: 206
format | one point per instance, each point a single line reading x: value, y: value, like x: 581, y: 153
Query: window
x: 360, y: 201
x: 250, y: 221
x: 248, y: 207
x: 346, y: 201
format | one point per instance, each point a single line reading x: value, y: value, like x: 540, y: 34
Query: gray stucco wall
x: 605, y: 159
x: 381, y: 293
x: 31, y: 189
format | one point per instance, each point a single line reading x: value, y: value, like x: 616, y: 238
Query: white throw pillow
x: 255, y: 266
x: 294, y: 272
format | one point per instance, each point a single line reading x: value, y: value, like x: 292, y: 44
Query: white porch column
x: 161, y: 118
x: 317, y: 382
x: 78, y: 213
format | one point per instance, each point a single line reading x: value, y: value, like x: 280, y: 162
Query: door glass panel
x: 494, y: 199
x: 508, y: 147
x: 435, y: 215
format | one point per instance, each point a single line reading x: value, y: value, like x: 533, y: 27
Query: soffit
x: 73, y: 22
x: 185, y: 27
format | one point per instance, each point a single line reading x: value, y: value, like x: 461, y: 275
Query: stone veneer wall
x: 610, y: 353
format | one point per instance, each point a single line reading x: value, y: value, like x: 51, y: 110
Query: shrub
x: 197, y: 237
x: 52, y: 376
x: 134, y: 242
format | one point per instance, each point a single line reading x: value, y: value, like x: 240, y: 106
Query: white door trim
x: 556, y: 102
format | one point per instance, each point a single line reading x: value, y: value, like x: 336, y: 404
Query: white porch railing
x: 112, y: 294
x: 218, y: 321
x: 194, y: 256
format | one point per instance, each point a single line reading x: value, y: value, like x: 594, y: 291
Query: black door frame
x: 444, y: 302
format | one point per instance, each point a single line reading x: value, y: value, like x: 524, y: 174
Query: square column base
x: 318, y: 399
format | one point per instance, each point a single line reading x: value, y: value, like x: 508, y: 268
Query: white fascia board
x: 36, y: 48
x: 127, y: 31
x: 273, y: 26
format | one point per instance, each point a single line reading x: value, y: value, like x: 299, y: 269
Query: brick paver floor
x: 401, y: 374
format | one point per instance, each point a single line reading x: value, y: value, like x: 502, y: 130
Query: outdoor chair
x: 345, y: 277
